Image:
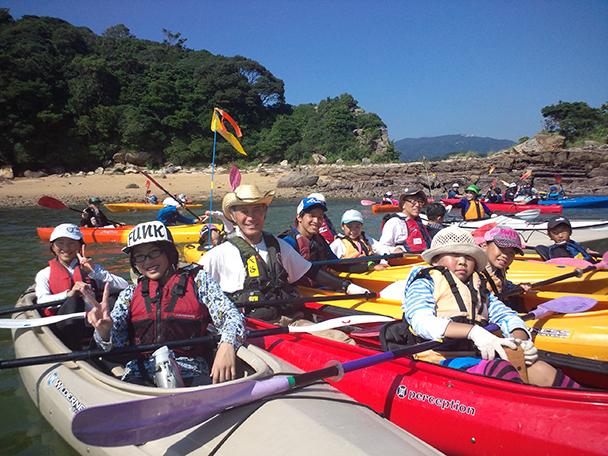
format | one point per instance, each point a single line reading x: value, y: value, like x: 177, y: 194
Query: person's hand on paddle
x: 525, y: 286
x: 530, y: 351
x: 99, y: 315
x: 380, y: 267
x: 85, y: 263
x: 489, y: 344
x: 224, y: 364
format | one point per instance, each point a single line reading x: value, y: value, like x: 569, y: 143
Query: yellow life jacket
x: 465, y: 303
x: 350, y: 246
x: 475, y: 211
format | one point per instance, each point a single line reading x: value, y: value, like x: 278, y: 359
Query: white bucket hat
x: 147, y: 232
x: 352, y: 215
x: 245, y: 195
x: 66, y: 230
x: 455, y: 240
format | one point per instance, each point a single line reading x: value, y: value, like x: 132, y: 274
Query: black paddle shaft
x: 304, y: 299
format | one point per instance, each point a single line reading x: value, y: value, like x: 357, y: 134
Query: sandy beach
x: 23, y: 192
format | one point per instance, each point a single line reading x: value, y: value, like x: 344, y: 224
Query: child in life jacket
x: 560, y: 230
x: 470, y: 206
x: 501, y: 244
x: 449, y: 299
x: 65, y: 278
x: 169, y: 304
x: 354, y: 243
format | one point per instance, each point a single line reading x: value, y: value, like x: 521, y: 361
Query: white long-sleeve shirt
x: 99, y: 274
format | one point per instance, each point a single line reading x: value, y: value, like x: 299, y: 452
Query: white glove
x: 488, y: 344
x: 356, y: 289
x: 530, y: 351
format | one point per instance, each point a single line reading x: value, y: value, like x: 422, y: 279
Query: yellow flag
x: 217, y: 124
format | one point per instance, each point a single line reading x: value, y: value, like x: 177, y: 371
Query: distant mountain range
x: 412, y: 149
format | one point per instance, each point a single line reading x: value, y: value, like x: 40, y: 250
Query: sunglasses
x: 152, y: 254
x: 415, y: 202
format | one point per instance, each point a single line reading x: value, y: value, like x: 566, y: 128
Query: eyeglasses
x: 152, y: 254
x: 415, y: 202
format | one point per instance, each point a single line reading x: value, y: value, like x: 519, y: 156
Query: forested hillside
x: 71, y: 99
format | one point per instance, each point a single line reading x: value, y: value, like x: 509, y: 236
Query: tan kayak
x: 276, y: 427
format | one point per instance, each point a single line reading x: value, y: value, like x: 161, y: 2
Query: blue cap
x: 310, y: 203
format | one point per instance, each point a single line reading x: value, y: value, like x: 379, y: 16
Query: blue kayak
x: 578, y: 201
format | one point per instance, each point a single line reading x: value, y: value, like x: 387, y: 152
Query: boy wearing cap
x: 93, y: 217
x: 405, y: 229
x: 501, y: 244
x: 166, y: 304
x: 470, y: 206
x: 559, y: 230
x: 454, y: 192
x: 354, y: 243
x: 254, y: 265
x: 66, y: 276
x: 449, y: 300
x: 327, y: 230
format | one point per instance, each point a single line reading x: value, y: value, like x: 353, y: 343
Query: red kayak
x: 457, y: 412
x: 513, y: 208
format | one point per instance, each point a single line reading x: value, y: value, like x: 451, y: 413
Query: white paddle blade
x: 340, y: 322
x: 9, y: 323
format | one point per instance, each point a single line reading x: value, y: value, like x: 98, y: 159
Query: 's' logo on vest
x: 252, y: 267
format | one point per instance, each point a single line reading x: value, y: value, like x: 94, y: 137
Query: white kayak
x: 321, y: 421
x: 535, y: 232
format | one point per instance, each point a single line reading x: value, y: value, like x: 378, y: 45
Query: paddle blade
x: 235, y: 177
x: 51, y: 203
x: 558, y: 179
x: 525, y: 175
x: 564, y: 305
x: 530, y: 214
x: 340, y: 322
x: 367, y: 203
x: 574, y: 262
x: 140, y: 421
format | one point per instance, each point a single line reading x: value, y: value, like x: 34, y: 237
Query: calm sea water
x: 22, y: 430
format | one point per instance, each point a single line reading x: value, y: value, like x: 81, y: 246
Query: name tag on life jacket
x: 252, y: 267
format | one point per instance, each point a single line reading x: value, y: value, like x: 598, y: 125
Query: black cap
x: 558, y: 220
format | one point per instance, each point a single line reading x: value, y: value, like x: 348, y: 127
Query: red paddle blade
x: 526, y: 175
x: 558, y: 179
x: 235, y: 177
x: 51, y: 203
x: 147, y: 184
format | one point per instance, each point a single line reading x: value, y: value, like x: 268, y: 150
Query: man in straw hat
x: 450, y: 300
x: 254, y: 265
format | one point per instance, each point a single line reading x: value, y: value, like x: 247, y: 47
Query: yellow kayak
x: 583, y: 335
x: 519, y: 272
x: 126, y: 207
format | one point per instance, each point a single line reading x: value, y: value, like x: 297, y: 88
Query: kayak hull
x: 59, y: 390
x: 131, y: 207
x: 181, y: 234
x: 456, y: 412
x: 514, y: 208
x: 580, y: 202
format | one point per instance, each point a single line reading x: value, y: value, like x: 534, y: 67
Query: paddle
x: 53, y: 203
x: 527, y: 215
x: 305, y: 299
x: 140, y: 421
x: 234, y: 178
x: 32, y: 307
x: 11, y: 323
x: 155, y: 182
x: 367, y: 202
x: 122, y: 351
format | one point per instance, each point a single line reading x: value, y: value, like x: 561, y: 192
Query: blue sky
x: 427, y: 68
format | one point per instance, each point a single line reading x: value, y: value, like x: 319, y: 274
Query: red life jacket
x: 60, y: 281
x: 418, y: 238
x: 171, y: 313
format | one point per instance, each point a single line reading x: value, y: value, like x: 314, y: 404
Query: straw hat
x: 455, y: 240
x: 245, y: 195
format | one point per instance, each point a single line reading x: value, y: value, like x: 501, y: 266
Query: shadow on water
x: 23, y: 431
